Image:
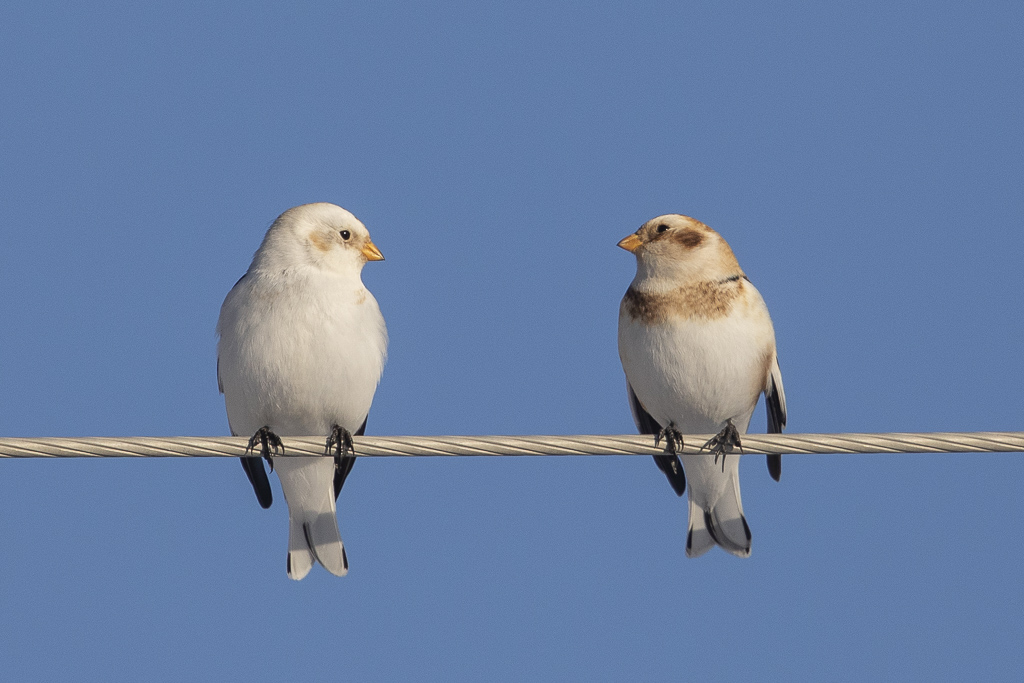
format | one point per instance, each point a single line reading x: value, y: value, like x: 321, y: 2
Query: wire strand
x: 425, y: 446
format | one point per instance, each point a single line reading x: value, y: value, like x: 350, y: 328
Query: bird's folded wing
x: 343, y: 464
x: 645, y: 424
x: 253, y: 466
x: 775, y: 403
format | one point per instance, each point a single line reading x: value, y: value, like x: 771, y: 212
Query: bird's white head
x: 321, y: 235
x: 680, y: 248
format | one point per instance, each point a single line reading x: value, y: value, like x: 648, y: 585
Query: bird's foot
x: 723, y: 442
x: 268, y: 441
x: 341, y: 441
x: 673, y: 439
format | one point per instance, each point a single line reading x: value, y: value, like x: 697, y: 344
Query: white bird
x: 302, y: 347
x: 698, y: 349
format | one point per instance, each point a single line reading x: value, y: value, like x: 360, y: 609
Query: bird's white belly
x: 301, y: 367
x: 696, y: 373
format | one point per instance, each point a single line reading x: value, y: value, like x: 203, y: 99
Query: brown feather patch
x: 321, y: 241
x: 688, y: 238
x: 707, y: 300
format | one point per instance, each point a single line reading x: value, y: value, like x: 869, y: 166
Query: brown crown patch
x: 705, y: 300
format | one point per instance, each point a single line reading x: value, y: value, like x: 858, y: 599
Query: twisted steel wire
x: 407, y: 446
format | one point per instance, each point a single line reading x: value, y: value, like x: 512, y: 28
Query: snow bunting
x: 302, y: 347
x: 698, y: 349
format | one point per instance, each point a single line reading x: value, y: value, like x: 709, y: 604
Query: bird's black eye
x: 345, y: 234
x: 662, y: 228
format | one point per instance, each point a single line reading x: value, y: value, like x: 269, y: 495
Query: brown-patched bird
x: 698, y: 348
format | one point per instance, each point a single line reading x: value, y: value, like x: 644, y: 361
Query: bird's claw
x: 673, y: 439
x: 341, y: 441
x: 723, y: 442
x: 268, y: 441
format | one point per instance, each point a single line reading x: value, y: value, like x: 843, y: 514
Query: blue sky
x: 865, y: 161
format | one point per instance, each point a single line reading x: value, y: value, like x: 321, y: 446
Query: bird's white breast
x: 299, y: 352
x: 699, y: 372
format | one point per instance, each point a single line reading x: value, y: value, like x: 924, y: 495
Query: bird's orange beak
x: 631, y: 243
x: 371, y: 252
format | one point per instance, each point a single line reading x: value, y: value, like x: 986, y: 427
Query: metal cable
x: 382, y: 446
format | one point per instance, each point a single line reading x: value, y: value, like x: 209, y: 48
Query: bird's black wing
x: 343, y: 464
x: 669, y: 464
x: 775, y: 403
x: 253, y: 466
